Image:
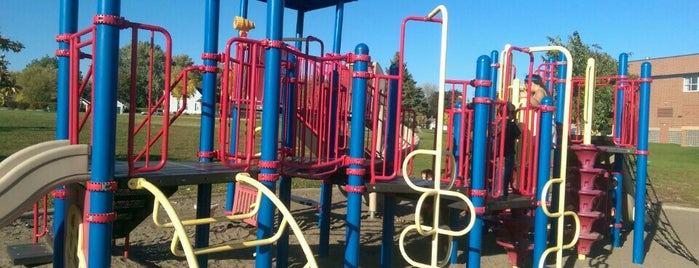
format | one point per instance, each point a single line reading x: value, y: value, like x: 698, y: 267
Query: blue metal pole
x: 618, y: 195
x: 641, y: 165
x: 540, y: 219
x: 479, y: 151
x: 558, y: 118
x: 623, y: 79
x: 244, y: 8
x: 456, y: 125
x: 356, y: 182
x: 339, y: 15
x: 285, y: 181
x: 388, y: 229
x: 619, y: 159
x: 494, y: 55
x: 104, y: 133
x: 388, y: 213
x: 68, y: 23
x: 206, y: 129
x: 391, y: 115
x: 235, y: 118
x: 270, y: 127
x: 325, y: 197
x: 560, y: 102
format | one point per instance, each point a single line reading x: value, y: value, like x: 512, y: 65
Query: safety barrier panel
x: 460, y: 130
x: 627, y: 93
x: 149, y: 132
x: 241, y: 102
x: 391, y: 133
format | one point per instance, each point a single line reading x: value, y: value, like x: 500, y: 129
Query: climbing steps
x: 592, y: 198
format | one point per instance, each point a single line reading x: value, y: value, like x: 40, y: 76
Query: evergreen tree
x: 413, y: 97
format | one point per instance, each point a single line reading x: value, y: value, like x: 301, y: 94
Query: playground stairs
x: 132, y: 207
x: 511, y: 229
x: 592, y: 186
x: 32, y: 254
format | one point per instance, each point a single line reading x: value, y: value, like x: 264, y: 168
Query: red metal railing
x: 312, y: 149
x: 529, y: 117
x: 628, y: 91
x: 241, y: 102
x: 151, y: 134
x: 77, y: 85
x: 460, y: 131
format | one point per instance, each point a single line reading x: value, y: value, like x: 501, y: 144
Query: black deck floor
x: 181, y: 173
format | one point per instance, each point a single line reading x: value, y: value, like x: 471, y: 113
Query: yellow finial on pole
x: 243, y: 25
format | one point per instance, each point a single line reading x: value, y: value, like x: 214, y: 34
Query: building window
x: 691, y: 83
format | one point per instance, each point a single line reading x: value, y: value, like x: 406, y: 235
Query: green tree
x: 7, y: 81
x: 179, y: 63
x: 413, y: 97
x: 144, y: 77
x: 605, y: 65
x: 37, y: 82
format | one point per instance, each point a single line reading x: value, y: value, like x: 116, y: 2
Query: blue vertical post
x: 494, y: 55
x: 641, y: 165
x: 235, y: 118
x: 68, y: 23
x: 559, y: 95
x: 325, y: 205
x: 285, y: 181
x: 623, y: 80
x: 386, y: 260
x: 618, y: 195
x: 619, y: 159
x: 244, y: 8
x: 206, y: 129
x: 270, y: 127
x: 355, y: 181
x: 391, y: 116
x: 388, y: 215
x: 479, y: 151
x: 104, y: 133
x: 560, y: 102
x: 540, y: 219
x: 290, y: 107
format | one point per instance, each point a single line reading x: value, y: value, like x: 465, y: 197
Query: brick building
x: 674, y: 103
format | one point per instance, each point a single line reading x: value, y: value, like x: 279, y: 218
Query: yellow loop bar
x: 560, y: 247
x: 401, y: 246
x: 141, y: 183
x: 543, y: 198
x: 180, y: 237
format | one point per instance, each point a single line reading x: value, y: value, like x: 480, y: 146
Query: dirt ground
x: 671, y: 241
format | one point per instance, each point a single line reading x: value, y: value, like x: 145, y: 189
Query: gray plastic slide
x: 34, y: 171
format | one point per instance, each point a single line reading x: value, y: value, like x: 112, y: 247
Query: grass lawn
x: 673, y: 170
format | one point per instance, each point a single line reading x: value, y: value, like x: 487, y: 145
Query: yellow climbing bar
x: 589, y: 100
x: 437, y: 192
x: 180, y: 236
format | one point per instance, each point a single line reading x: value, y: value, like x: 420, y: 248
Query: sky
x: 643, y: 28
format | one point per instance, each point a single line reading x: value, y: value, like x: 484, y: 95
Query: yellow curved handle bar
x: 180, y: 236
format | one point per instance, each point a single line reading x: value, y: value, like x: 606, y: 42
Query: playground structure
x: 343, y: 124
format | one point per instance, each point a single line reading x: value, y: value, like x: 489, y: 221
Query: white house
x: 85, y: 104
x: 192, y: 103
